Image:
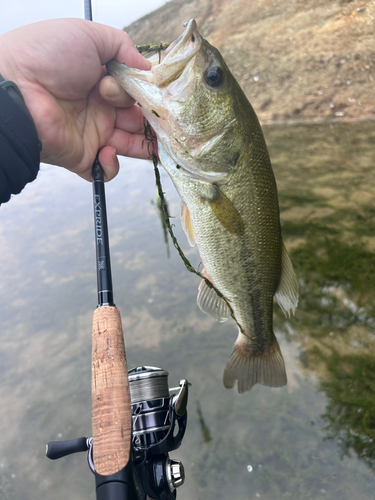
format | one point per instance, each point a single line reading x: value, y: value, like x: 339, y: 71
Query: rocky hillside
x: 304, y: 60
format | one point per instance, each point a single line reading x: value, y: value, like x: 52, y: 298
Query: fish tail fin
x: 249, y: 366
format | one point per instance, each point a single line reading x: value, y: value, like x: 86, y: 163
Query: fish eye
x: 213, y: 76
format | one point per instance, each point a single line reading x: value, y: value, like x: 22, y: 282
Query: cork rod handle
x: 111, y: 409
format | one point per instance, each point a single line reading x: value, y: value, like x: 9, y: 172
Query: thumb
x: 109, y: 162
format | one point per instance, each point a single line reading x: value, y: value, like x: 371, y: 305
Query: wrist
x: 20, y: 156
x: 14, y: 92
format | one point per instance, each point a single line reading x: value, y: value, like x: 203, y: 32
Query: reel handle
x: 58, y: 449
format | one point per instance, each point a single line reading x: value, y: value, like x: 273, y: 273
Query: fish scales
x: 211, y: 144
x: 250, y: 260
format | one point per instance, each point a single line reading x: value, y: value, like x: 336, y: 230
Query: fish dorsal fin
x: 210, y: 303
x: 186, y: 224
x: 227, y: 214
x: 287, y: 291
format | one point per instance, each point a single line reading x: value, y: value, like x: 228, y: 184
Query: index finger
x: 112, y: 43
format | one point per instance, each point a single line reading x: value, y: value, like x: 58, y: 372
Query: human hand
x: 58, y: 67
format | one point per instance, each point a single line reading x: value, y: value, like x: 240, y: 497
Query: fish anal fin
x: 210, y: 303
x: 249, y: 366
x: 186, y: 224
x: 287, y: 291
x: 226, y: 213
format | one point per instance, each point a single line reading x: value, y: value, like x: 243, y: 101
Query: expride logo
x: 98, y: 220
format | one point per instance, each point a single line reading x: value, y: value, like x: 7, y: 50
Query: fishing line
x: 146, y: 386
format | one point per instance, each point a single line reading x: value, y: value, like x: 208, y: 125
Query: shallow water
x: 312, y: 439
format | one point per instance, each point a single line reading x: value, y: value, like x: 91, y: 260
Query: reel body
x: 159, y: 420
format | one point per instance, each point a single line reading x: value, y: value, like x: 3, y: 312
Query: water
x: 312, y: 439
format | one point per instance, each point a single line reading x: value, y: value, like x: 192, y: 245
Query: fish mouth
x: 177, y: 55
x: 149, y: 87
x: 166, y: 66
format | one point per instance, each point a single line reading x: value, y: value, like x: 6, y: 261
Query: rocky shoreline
x: 297, y: 61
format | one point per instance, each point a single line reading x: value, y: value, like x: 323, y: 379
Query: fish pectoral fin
x: 227, y: 214
x: 287, y: 291
x: 186, y: 224
x: 249, y: 366
x: 210, y: 303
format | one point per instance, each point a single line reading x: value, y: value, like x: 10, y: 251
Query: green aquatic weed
x: 164, y: 208
x: 148, y: 49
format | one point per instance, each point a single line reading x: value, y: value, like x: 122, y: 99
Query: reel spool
x: 149, y: 394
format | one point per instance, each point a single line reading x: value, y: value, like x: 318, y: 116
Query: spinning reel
x: 159, y: 419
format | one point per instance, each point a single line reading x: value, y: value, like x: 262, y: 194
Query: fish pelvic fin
x: 210, y: 303
x: 287, y: 292
x: 249, y: 366
x: 187, y: 226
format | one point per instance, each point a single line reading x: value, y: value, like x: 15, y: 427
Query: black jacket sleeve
x: 19, y: 148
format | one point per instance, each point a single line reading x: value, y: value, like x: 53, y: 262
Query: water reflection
x: 206, y: 434
x: 350, y: 413
x: 310, y: 439
x: 332, y: 240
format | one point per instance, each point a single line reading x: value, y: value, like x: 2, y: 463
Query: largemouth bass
x: 211, y: 144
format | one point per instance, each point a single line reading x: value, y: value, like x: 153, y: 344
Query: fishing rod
x: 136, y: 419
x: 111, y: 406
